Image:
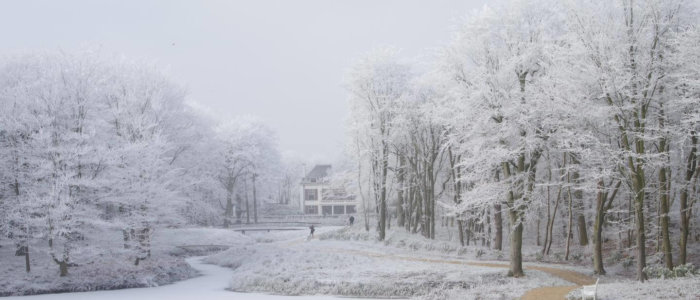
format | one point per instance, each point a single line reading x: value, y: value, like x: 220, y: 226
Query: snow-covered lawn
x: 210, y: 286
x: 680, y: 288
x: 399, y: 243
x: 288, y: 264
x: 339, y: 261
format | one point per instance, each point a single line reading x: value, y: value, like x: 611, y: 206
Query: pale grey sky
x: 281, y: 60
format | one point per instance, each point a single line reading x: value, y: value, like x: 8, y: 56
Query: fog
x: 282, y: 61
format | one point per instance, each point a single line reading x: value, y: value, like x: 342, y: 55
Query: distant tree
x: 376, y: 83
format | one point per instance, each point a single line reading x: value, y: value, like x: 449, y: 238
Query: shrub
x: 500, y: 255
x: 577, y: 257
x: 686, y: 270
x: 628, y: 262
x: 615, y: 257
x: 558, y: 256
x: 462, y: 251
x: 657, y: 271
x: 660, y: 271
x: 539, y: 256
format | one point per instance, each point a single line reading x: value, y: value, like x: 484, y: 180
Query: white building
x: 320, y: 198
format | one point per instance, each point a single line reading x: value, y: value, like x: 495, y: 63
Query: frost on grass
x: 337, y: 268
x: 105, y: 271
x: 111, y: 267
x: 678, y: 288
x: 403, y: 240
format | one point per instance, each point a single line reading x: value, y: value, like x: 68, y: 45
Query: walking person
x: 352, y: 220
x: 312, y: 229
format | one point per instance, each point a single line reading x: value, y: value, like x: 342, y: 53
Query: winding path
x: 540, y: 293
x: 557, y: 292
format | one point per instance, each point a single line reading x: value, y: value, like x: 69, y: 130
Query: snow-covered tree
x: 376, y: 84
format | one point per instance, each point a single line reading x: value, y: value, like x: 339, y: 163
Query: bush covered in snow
x: 679, y: 288
x: 102, y: 272
x: 660, y: 271
x: 112, y: 268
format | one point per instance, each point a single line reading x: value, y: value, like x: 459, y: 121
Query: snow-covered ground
x: 339, y: 261
x: 102, y: 267
x: 287, y: 263
x: 679, y: 288
x: 109, y: 267
x: 211, y: 285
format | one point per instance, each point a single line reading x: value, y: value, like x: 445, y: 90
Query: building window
x: 327, y: 210
x: 310, y: 194
x: 338, y: 210
x: 311, y: 209
x: 350, y: 209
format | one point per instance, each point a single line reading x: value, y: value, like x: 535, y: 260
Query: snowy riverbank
x: 210, y: 285
x: 109, y: 266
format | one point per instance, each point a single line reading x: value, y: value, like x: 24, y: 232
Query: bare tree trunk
x: 26, y: 258
x: 578, y: 199
x: 630, y: 231
x: 400, y: 177
x: 498, y: 220
x: 549, y: 205
x: 598, y: 231
x: 641, y: 236
x: 569, y: 232
x: 247, y: 204
x: 62, y: 264
x: 546, y: 226
x: 469, y: 231
x: 603, y: 203
x: 516, y: 243
x: 228, y: 212
x: 382, y: 195
x: 255, y: 202
x: 418, y: 213
x: 538, y: 228
x: 685, y: 208
x: 25, y: 247
x: 664, y: 188
x: 488, y: 221
x: 551, y: 224
x: 582, y: 234
x: 666, y: 239
x: 516, y: 259
x: 63, y: 268
x: 460, y: 228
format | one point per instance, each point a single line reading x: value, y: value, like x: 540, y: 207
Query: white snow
x: 287, y: 264
x: 680, y: 288
x: 211, y: 286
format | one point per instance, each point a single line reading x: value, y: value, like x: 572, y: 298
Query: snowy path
x: 540, y: 293
x: 209, y: 286
x: 557, y: 292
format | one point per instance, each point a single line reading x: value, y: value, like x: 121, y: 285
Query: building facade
x: 320, y: 198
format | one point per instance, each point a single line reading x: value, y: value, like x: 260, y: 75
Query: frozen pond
x: 210, y: 285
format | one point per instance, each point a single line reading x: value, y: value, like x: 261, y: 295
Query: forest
x: 585, y: 111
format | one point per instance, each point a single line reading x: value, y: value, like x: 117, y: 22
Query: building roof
x: 319, y: 171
